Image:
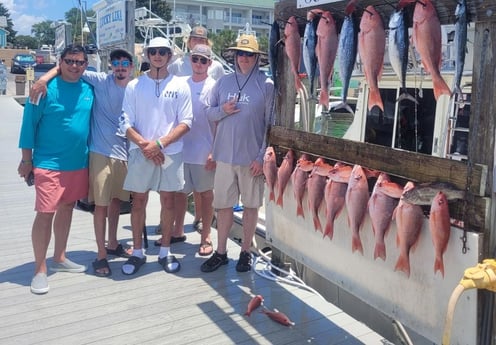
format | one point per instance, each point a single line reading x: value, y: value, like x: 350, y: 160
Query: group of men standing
x: 157, y: 132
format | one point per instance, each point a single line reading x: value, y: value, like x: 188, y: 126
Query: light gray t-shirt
x: 107, y: 108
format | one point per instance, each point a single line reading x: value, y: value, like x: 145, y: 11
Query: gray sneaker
x: 39, y: 284
x: 67, y: 266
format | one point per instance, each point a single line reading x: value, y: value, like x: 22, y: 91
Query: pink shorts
x: 54, y: 187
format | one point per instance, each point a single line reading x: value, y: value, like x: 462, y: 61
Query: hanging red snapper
x: 326, y: 50
x: 381, y: 207
x: 293, y: 48
x: 409, y: 219
x: 299, y: 179
x: 427, y: 41
x: 254, y: 303
x: 439, y: 223
x: 357, y: 197
x: 316, y: 189
x: 270, y: 171
x: 371, y: 48
x: 334, y: 196
x: 283, y: 175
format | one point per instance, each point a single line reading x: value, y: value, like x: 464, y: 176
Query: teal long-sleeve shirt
x: 57, y: 130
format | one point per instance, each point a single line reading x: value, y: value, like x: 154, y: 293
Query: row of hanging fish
x: 322, y: 43
x: 341, y: 185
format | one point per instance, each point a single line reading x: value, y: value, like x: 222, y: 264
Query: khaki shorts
x: 233, y: 181
x: 106, y: 179
x: 53, y: 187
x: 143, y: 175
x: 197, y: 178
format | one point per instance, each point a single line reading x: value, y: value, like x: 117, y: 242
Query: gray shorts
x: 143, y: 175
x: 197, y: 178
x: 233, y: 181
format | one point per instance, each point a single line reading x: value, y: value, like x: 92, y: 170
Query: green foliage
x: 223, y: 39
x: 10, y: 25
x: 24, y: 41
x: 159, y: 7
x: 44, y: 32
x: 73, y: 16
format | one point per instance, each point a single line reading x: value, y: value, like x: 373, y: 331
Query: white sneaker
x: 67, y: 266
x: 39, y: 284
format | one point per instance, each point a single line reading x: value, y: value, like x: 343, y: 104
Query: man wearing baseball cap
x: 156, y: 114
x: 241, y: 104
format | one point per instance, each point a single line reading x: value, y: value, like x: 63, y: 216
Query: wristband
x: 26, y: 161
x: 159, y: 144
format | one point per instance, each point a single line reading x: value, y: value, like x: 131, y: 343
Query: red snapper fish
x: 326, y: 50
x: 316, y: 188
x: 334, y: 196
x: 299, y: 179
x: 270, y: 171
x: 254, y: 303
x: 371, y: 48
x: 283, y: 175
x: 409, y: 219
x: 427, y: 41
x: 279, y: 317
x: 381, y: 208
x: 293, y: 48
x: 439, y: 223
x: 357, y: 197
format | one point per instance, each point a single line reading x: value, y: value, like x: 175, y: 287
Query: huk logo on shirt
x: 170, y: 94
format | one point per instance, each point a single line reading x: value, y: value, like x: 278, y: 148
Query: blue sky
x: 25, y: 13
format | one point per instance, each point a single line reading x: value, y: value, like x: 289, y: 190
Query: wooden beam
x: 405, y: 164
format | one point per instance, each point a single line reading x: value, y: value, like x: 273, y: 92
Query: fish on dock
x: 254, y: 303
x: 279, y: 317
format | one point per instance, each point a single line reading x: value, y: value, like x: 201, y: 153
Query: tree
x: 159, y: 7
x: 25, y: 41
x: 10, y: 25
x: 73, y: 16
x: 223, y: 39
x: 44, y: 32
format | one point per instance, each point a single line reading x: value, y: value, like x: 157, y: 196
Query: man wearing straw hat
x: 241, y: 105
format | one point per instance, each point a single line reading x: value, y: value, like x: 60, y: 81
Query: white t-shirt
x: 154, y: 107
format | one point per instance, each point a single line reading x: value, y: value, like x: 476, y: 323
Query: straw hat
x: 247, y: 43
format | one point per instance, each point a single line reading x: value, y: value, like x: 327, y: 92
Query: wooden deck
x: 152, y: 307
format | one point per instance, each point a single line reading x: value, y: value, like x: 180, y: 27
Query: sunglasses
x: 161, y: 51
x: 123, y: 63
x: 243, y: 53
x: 79, y: 63
x: 202, y: 59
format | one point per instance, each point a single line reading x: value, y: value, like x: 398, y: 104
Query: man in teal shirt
x: 54, y: 145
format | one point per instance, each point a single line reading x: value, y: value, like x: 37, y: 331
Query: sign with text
x: 111, y: 24
x: 311, y: 3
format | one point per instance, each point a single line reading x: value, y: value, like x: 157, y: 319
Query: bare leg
x: 167, y: 201
x: 114, y: 211
x: 224, y: 224
x: 61, y: 227
x: 99, y: 222
x: 138, y: 218
x: 250, y: 219
x: 180, y: 205
x: 207, y: 212
x: 40, y: 237
x: 197, y: 199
